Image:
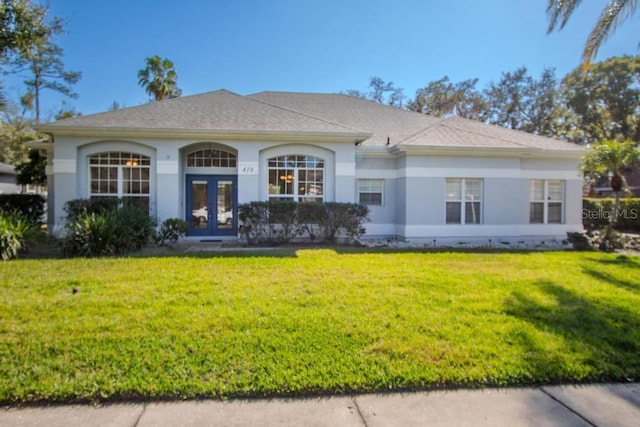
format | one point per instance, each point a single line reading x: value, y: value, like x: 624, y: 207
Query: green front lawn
x: 313, y: 321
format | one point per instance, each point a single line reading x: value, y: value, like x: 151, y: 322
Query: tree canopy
x: 382, y: 92
x: 159, y: 78
x: 43, y: 65
x: 443, y: 98
x: 603, y: 104
x: 605, y: 101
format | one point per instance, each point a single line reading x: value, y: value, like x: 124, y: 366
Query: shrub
x: 78, y: 207
x: 596, y: 213
x: 277, y: 222
x: 255, y: 218
x: 349, y: 217
x: 283, y: 221
x: 29, y: 206
x: 171, y: 230
x: 581, y: 241
x: 310, y: 217
x: 107, y: 232
x: 15, y: 232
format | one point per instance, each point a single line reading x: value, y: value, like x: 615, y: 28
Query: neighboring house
x: 8, y: 179
x: 424, y: 178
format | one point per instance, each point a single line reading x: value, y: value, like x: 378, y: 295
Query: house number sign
x: 248, y: 168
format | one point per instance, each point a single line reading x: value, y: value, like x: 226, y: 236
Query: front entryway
x: 212, y: 205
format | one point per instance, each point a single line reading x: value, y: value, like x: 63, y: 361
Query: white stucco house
x: 197, y: 157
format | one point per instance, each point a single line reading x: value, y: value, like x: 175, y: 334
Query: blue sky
x: 247, y: 46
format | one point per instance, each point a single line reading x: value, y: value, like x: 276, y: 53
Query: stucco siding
x: 414, y: 198
x: 505, y: 201
x: 425, y: 201
x: 573, y: 199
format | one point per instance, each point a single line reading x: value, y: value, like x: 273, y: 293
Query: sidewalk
x: 599, y: 405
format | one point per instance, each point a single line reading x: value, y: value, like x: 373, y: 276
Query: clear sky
x: 248, y: 46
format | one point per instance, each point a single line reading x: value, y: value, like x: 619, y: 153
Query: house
x: 8, y: 179
x: 424, y: 178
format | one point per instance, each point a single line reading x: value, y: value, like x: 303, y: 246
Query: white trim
x: 464, y: 172
x: 345, y: 169
x: 167, y: 167
x: 462, y: 201
x: 520, y: 152
x: 123, y: 132
x: 359, y: 190
x: 483, y: 230
x: 380, y: 229
x: 64, y: 166
x: 376, y: 174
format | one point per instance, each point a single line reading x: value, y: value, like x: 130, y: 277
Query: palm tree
x: 609, y: 157
x: 613, y: 15
x: 159, y: 78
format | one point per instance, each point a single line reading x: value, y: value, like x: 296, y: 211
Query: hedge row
x: 29, y: 206
x: 279, y: 221
x: 597, y: 212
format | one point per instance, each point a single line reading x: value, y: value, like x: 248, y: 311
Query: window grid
x: 463, y: 201
x: 370, y: 192
x: 120, y: 175
x: 296, y: 177
x: 212, y: 159
x: 546, y: 198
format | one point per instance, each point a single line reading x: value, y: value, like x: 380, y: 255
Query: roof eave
x: 435, y: 150
x: 352, y: 137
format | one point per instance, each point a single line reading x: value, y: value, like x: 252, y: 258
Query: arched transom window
x: 211, y: 159
x: 120, y: 175
x: 296, y: 177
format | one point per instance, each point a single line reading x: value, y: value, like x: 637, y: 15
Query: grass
x: 313, y: 322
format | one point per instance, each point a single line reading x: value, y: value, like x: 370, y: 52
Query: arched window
x: 120, y: 175
x: 296, y: 177
x: 211, y: 159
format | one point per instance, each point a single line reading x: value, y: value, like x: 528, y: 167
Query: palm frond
x: 559, y: 11
x: 612, y: 16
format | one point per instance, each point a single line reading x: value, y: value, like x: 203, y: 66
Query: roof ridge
x: 344, y: 95
x: 302, y: 113
x: 423, y: 130
x: 522, y: 132
x: 491, y: 136
x: 163, y: 101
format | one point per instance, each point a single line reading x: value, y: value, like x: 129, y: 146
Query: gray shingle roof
x: 315, y: 113
x: 459, y: 132
x: 219, y: 111
x: 380, y: 120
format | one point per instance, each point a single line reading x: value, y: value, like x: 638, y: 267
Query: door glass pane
x: 225, y: 204
x: 199, y: 205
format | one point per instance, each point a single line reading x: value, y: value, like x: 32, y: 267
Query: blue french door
x: 212, y: 205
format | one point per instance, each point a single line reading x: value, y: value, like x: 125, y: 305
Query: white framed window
x: 464, y: 201
x: 546, y: 200
x: 296, y: 177
x: 119, y: 175
x: 215, y: 158
x: 371, y: 192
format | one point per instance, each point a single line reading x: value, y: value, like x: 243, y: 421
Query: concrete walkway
x: 592, y: 405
